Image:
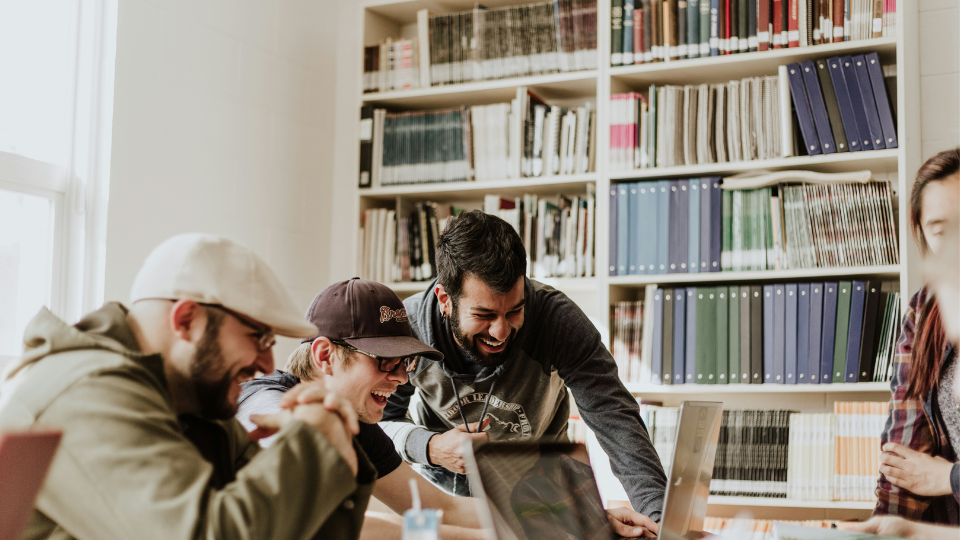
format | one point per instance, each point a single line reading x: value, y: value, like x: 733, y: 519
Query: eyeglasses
x: 264, y: 337
x: 386, y: 365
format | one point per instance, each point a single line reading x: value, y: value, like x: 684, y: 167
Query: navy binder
x: 828, y: 333
x: 858, y: 299
x: 779, y: 334
x: 842, y: 93
x: 645, y: 241
x: 790, y: 334
x: 679, y: 205
x: 887, y: 123
x: 706, y: 206
x: 679, y: 336
x: 817, y: 107
x: 663, y: 228
x: 633, y: 229
x: 690, y: 367
x: 869, y: 103
x: 833, y: 107
x: 623, y: 236
x: 803, y: 331
x: 716, y: 223
x: 613, y: 231
x: 768, y: 333
x: 656, y: 355
x: 651, y: 220
x: 668, y: 320
x: 816, y: 330
x: 802, y: 106
x: 856, y: 102
x: 693, y: 227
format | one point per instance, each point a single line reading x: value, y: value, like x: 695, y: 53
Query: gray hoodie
x: 557, y: 347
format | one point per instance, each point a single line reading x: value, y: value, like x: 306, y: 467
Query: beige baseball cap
x: 211, y: 269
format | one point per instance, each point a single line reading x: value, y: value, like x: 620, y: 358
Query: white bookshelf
x: 383, y: 18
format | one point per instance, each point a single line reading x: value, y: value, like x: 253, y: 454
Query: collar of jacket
x: 440, y: 336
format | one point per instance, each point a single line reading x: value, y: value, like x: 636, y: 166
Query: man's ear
x: 188, y: 320
x: 446, y: 306
x: 321, y: 354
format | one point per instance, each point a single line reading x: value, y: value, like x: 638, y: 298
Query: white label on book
x: 838, y: 31
x: 877, y: 25
x: 753, y: 42
x: 366, y: 129
x: 704, y: 49
x: 734, y: 43
x: 675, y: 51
x: 793, y: 35
x: 714, y: 43
x: 777, y: 40
x: 763, y: 37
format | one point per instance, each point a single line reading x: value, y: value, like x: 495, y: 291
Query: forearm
x: 409, y: 440
x: 461, y: 511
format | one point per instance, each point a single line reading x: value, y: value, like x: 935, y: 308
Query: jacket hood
x: 46, y: 334
x: 435, y: 330
x: 278, y: 380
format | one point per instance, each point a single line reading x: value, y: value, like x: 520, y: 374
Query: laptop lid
x: 536, y: 491
x: 25, y: 457
x: 688, y: 482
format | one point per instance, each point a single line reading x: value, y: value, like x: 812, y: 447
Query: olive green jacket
x: 125, y: 468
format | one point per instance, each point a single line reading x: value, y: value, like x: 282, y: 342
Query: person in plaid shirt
x: 919, y: 478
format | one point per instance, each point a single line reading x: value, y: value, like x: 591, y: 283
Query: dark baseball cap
x: 369, y: 316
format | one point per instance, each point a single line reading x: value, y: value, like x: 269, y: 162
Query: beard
x: 469, y: 343
x: 212, y: 391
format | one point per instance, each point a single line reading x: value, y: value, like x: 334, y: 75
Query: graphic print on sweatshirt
x: 508, y: 421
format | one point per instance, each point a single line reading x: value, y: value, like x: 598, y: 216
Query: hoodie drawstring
x: 483, y: 412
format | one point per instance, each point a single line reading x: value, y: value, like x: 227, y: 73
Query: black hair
x: 479, y: 244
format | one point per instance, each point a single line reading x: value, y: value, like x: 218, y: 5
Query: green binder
x: 721, y: 366
x: 704, y: 335
x: 843, y: 322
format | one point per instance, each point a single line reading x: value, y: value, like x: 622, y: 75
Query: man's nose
x: 499, y: 329
x: 264, y: 362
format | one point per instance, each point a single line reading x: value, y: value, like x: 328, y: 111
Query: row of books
x: 673, y: 126
x: 842, y: 105
x: 626, y: 324
x: 786, y: 454
x: 523, y: 138
x: 807, y: 333
x: 693, y: 225
x: 643, y: 31
x: 483, y: 44
x: 558, y: 233
x: 836, y: 455
x: 756, y: 529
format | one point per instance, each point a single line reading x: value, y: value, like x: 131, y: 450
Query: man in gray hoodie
x: 511, y: 349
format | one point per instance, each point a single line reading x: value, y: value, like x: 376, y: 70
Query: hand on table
x: 630, y: 524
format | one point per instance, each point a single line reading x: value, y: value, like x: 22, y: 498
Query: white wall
x: 223, y: 123
x: 939, y: 75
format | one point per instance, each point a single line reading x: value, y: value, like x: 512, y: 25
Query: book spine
x: 616, y: 32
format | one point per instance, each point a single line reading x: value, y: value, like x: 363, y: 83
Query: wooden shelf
x: 552, y: 87
x: 874, y: 160
x: 717, y: 69
x: 890, y: 271
x: 561, y: 284
x: 409, y: 286
x: 716, y: 389
x: 722, y: 500
x: 547, y: 185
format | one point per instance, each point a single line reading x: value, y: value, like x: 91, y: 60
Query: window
x: 56, y: 102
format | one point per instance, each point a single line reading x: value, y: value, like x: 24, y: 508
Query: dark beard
x: 469, y: 345
x: 213, y: 396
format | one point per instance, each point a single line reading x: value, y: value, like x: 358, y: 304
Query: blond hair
x: 300, y: 362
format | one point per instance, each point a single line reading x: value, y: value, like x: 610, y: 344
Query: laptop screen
x: 539, y: 492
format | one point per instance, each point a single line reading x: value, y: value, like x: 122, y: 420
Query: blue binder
x: 716, y: 223
x: 679, y: 336
x: 768, y: 332
x: 856, y: 100
x: 869, y: 103
x: 663, y: 227
x: 779, y: 334
x: 693, y: 226
x: 828, y: 333
x: 857, y: 299
x: 887, y: 123
x: 803, y: 332
x: 690, y: 367
x: 706, y: 206
x: 634, y: 236
x: 817, y: 107
x: 714, y: 27
x: 649, y: 214
x: 842, y: 93
x: 679, y: 205
x: 790, y: 334
x: 613, y: 231
x: 623, y: 237
x: 816, y: 330
x: 802, y: 105
x: 656, y: 354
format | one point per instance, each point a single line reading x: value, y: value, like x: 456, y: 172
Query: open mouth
x: 492, y: 346
x: 380, y: 397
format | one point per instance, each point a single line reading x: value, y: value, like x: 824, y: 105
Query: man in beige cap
x: 146, y: 397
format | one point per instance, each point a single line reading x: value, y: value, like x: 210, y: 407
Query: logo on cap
x: 387, y: 314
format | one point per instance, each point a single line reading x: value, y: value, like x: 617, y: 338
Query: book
x: 858, y: 298
x: 869, y: 102
x: 832, y: 105
x: 733, y: 341
x: 613, y: 231
x: 817, y: 107
x: 669, y: 303
x: 746, y: 336
x: 694, y: 209
x: 679, y: 335
x: 887, y: 123
x: 719, y: 365
x: 616, y: 32
x: 690, y: 331
x: 844, y: 293
x: 656, y: 370
x: 791, y: 333
x: 870, y: 332
x: 757, y: 322
x: 366, y: 146
x: 802, y: 107
x: 803, y: 334
x: 828, y: 332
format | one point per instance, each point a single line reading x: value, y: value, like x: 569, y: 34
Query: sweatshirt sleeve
x: 955, y: 481
x: 124, y: 470
x: 410, y: 440
x: 606, y: 406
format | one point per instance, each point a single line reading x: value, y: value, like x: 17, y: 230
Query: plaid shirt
x: 910, y: 424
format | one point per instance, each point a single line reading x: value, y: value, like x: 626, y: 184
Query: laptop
x: 25, y: 457
x: 547, y: 491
